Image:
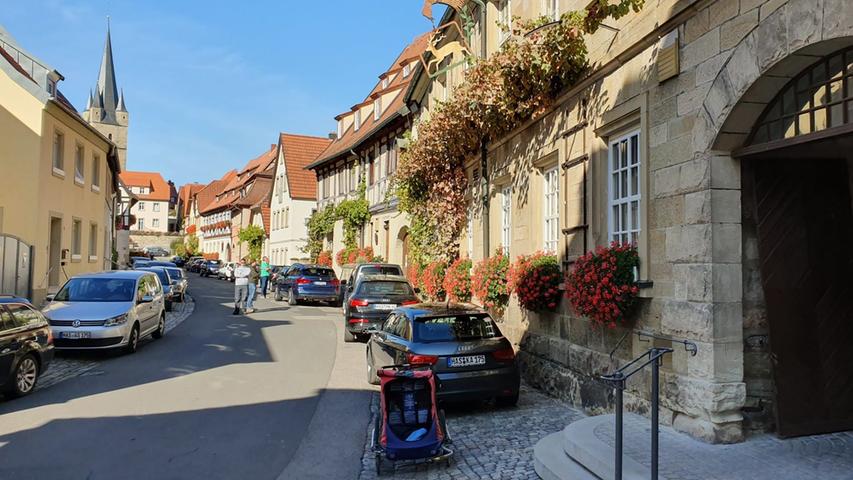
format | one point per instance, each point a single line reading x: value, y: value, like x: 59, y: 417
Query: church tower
x: 105, y: 109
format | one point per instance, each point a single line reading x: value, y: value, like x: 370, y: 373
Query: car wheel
x: 507, y: 401
x: 349, y: 337
x: 161, y: 327
x: 133, y: 340
x: 372, y: 377
x: 25, y: 377
x: 291, y: 298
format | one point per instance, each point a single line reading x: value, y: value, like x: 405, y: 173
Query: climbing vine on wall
x: 355, y: 213
x: 254, y: 236
x: 321, y: 223
x: 499, y: 93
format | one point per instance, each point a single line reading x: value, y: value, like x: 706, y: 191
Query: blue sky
x: 209, y: 84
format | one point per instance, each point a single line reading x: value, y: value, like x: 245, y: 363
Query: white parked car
x: 226, y: 271
x: 107, y: 310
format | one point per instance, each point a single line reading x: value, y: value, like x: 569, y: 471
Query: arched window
x: 819, y: 98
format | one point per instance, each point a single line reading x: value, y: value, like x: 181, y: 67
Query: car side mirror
x: 371, y: 330
x: 49, y: 298
x: 146, y: 299
x: 174, y: 282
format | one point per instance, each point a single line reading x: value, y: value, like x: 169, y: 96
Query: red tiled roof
x: 265, y: 216
x: 185, y: 195
x: 299, y: 152
x: 206, y: 197
x: 350, y: 137
x: 159, y: 189
x: 260, y: 164
x: 258, y: 194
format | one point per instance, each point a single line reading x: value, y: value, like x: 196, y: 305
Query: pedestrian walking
x: 241, y: 286
x: 265, y: 275
x: 254, y: 272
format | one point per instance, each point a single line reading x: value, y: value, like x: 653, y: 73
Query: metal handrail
x: 618, y: 379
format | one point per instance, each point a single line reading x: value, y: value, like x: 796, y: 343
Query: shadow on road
x: 254, y: 441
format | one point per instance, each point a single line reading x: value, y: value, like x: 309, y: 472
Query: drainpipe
x: 484, y: 154
x: 484, y: 168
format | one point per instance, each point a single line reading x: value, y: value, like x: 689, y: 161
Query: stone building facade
x: 682, y: 98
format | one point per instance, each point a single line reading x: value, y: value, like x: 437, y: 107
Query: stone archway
x: 792, y: 38
x: 403, y: 246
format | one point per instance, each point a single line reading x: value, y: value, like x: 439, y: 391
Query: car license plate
x: 466, y: 361
x: 384, y: 306
x: 319, y: 283
x: 75, y: 335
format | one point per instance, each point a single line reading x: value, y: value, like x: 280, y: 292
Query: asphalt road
x: 219, y: 397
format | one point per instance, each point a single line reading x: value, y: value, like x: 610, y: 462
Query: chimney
x: 272, y: 146
x: 333, y: 136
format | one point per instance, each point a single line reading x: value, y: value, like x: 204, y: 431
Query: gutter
x: 370, y: 134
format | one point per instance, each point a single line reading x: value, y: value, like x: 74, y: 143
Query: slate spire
x: 106, y: 88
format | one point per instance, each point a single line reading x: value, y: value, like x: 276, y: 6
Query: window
x: 140, y: 224
x: 156, y: 206
x: 341, y: 180
x: 552, y: 209
x: 325, y: 185
x: 371, y: 170
x: 58, y: 147
x: 286, y: 217
x: 624, y: 188
x: 357, y: 120
x: 76, y: 238
x: 24, y: 316
x: 377, y: 108
x: 141, y: 206
x: 407, y: 69
x: 505, y: 20
x: 457, y: 328
x: 385, y: 83
x: 155, y: 223
x: 506, y: 218
x: 353, y: 176
x: 96, y: 172
x: 470, y: 232
x: 392, y: 156
x: 79, y: 165
x: 93, y: 241
x: 340, y: 128
x: 551, y: 9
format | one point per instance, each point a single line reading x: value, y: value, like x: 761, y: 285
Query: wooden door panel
x: 805, y: 228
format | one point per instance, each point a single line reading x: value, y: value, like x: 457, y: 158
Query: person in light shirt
x: 241, y: 286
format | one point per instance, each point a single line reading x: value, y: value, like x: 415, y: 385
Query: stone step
x: 583, y: 443
x: 552, y: 463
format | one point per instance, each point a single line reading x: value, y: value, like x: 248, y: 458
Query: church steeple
x: 106, y: 88
x: 106, y: 109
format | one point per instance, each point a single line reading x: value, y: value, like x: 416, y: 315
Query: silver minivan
x: 107, y: 310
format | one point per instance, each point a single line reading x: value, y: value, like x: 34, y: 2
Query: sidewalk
x: 489, y: 442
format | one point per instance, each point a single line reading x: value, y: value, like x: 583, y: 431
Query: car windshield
x: 455, y: 328
x: 380, y: 270
x: 97, y: 290
x: 213, y: 262
x: 383, y: 288
x: 318, y: 272
x: 175, y: 273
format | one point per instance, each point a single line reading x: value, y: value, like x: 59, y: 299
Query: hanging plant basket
x: 602, y: 286
x: 535, y: 281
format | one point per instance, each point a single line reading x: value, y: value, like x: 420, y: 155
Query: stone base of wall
x: 154, y: 239
x: 581, y: 388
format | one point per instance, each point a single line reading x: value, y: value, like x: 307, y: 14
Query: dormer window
x: 407, y: 69
x: 505, y: 20
x: 385, y: 83
x: 357, y: 124
x: 51, y: 87
x: 377, y: 108
x: 340, y: 128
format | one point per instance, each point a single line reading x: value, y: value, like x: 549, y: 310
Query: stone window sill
x: 79, y: 181
x: 76, y: 258
x: 58, y: 172
x: 93, y: 258
x: 96, y: 188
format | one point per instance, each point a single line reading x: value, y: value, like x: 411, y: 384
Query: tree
x: 254, y: 236
x: 191, y: 246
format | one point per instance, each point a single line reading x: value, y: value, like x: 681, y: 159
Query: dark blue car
x: 308, y: 283
x: 26, y: 346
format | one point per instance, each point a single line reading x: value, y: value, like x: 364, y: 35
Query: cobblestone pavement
x: 762, y: 457
x: 489, y: 442
x: 74, y: 364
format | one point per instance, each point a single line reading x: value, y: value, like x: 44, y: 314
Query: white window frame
x: 140, y: 206
x: 340, y: 128
x: 377, y: 108
x: 385, y: 83
x: 96, y: 172
x: 58, y: 152
x: 551, y: 9
x: 93, y: 242
x: 505, y: 19
x: 155, y: 207
x: 79, y: 164
x: 407, y: 69
x: 76, y: 238
x: 357, y: 120
x: 506, y: 218
x: 620, y: 203
x: 470, y: 231
x: 551, y: 209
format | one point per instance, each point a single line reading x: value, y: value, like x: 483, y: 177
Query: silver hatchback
x: 107, y: 310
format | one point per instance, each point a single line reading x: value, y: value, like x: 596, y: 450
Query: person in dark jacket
x: 253, y: 286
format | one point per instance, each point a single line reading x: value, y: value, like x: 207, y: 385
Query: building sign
x: 455, y: 48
